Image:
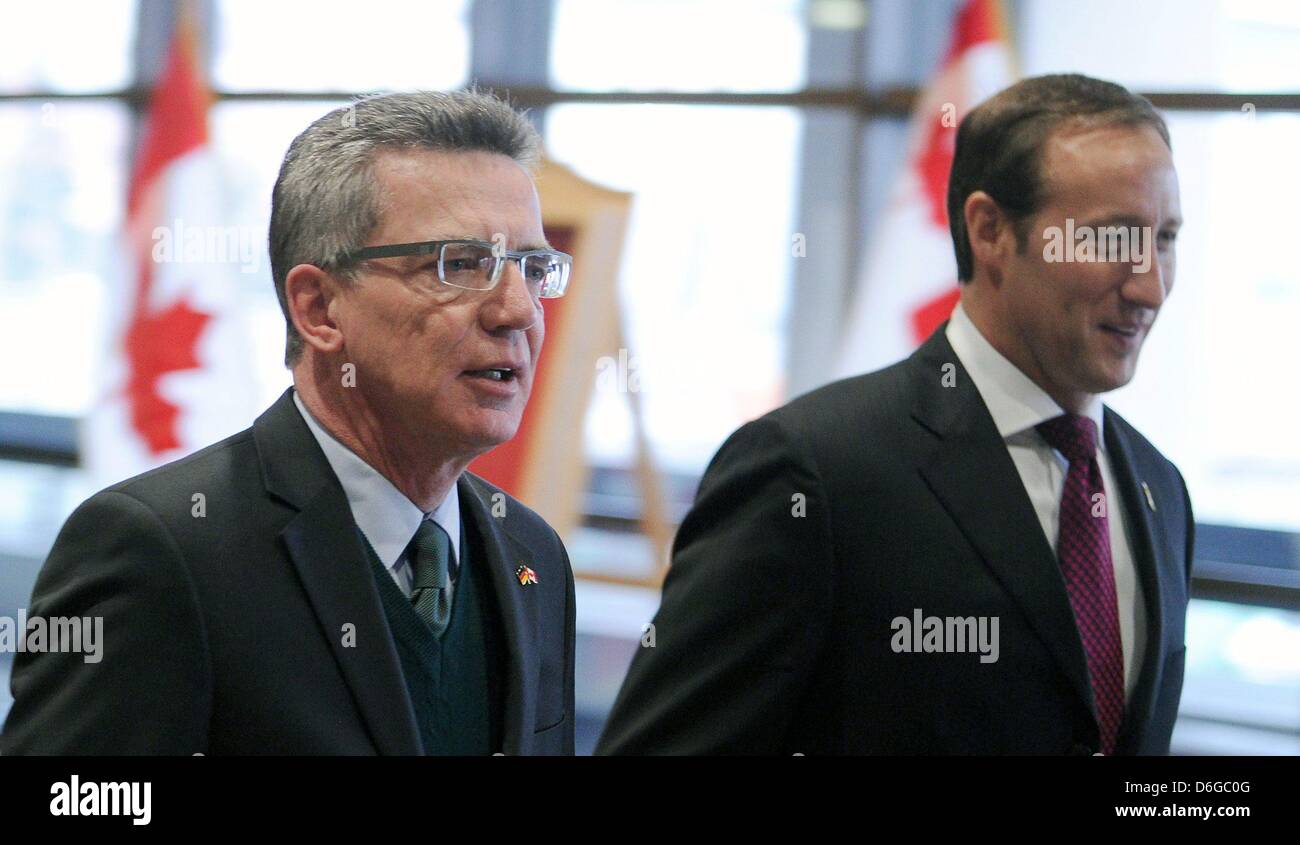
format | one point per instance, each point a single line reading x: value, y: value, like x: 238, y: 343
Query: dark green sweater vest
x: 455, y: 682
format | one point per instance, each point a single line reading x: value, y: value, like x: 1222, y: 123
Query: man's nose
x: 1149, y: 288
x: 510, y: 306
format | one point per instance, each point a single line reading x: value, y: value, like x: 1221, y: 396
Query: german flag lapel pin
x: 525, y: 575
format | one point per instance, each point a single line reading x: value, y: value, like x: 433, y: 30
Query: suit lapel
x: 974, y: 478
x: 1149, y: 546
x: 502, y: 554
x: 326, y: 551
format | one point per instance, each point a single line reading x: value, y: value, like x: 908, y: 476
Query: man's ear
x: 309, y: 292
x: 990, y: 232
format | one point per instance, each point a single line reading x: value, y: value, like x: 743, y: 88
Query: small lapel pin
x: 527, y: 576
x: 1151, y: 502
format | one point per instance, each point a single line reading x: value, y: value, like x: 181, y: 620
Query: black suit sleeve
x: 150, y: 690
x: 745, y: 608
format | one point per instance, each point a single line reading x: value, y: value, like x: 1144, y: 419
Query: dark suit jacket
x: 224, y: 634
x: 774, y: 635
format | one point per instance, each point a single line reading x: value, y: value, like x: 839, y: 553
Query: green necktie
x: 431, y: 563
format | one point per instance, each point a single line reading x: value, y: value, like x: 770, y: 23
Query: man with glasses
x: 348, y: 587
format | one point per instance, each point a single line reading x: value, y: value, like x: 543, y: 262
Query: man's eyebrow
x: 544, y: 245
x: 1128, y: 221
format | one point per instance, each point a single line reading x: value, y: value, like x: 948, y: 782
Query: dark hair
x: 1000, y: 144
x: 324, y: 202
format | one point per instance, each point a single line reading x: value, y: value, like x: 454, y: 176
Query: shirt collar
x: 1015, y: 402
x: 382, y: 512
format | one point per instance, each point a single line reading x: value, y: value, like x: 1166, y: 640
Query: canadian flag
x: 178, y: 373
x: 909, y: 284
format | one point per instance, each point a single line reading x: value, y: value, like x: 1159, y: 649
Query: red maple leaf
x: 159, y: 343
x: 933, y: 165
x: 928, y: 316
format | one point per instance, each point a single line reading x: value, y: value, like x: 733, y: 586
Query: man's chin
x: 483, y: 435
x: 1111, y: 376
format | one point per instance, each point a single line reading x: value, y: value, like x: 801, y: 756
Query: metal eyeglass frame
x: 437, y: 247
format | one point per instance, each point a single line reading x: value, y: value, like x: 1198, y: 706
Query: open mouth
x: 494, y: 374
x: 1121, y: 330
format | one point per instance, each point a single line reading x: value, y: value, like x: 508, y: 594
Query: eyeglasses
x: 477, y: 265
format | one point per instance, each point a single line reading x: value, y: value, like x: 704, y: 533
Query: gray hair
x: 325, y: 204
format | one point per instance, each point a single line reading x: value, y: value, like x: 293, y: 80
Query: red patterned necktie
x: 1083, y: 548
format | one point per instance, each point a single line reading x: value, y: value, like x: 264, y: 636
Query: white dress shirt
x: 382, y: 512
x: 1017, y: 404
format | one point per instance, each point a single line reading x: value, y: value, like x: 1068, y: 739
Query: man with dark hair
x: 347, y: 588
x: 1002, y: 144
x: 963, y: 553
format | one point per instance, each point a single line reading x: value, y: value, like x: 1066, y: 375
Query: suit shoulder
x: 222, y: 465
x: 1137, y: 442
x: 873, y: 405
x: 520, y: 520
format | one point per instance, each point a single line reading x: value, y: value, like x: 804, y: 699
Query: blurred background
x: 763, y: 146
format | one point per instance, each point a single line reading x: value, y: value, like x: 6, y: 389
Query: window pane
x: 340, y: 46
x: 250, y: 141
x: 1241, y: 694
x: 1216, y: 388
x: 62, y: 196
x: 706, y: 268
x: 66, y: 47
x: 1166, y: 45
x: 678, y: 45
